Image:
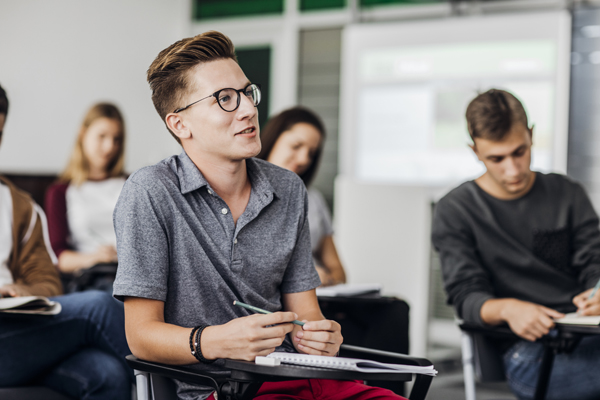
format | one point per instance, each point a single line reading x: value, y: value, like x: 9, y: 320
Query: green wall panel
x: 256, y: 64
x: 208, y: 9
x: 384, y: 2
x: 310, y: 5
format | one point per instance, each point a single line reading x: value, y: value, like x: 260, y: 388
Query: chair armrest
x: 102, y: 268
x: 82, y: 278
x: 347, y: 350
x: 498, y: 331
x: 179, y: 372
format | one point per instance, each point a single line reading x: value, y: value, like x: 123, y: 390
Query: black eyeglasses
x: 229, y: 99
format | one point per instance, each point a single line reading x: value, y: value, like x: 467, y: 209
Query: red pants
x: 313, y: 389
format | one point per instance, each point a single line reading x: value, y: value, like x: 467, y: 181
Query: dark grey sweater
x: 543, y: 247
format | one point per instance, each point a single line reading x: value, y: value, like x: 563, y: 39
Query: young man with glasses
x: 521, y: 248
x: 197, y: 231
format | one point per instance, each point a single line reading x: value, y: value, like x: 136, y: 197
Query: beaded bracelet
x: 192, y: 340
x: 198, y: 352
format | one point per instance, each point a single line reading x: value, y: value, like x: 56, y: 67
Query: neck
x: 229, y: 178
x: 97, y: 174
x: 494, y: 189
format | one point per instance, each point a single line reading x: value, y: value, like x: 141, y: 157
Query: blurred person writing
x: 80, y: 206
x: 294, y: 139
x: 78, y: 352
x: 522, y: 248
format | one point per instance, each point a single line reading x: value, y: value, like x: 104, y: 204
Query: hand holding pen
x: 588, y: 302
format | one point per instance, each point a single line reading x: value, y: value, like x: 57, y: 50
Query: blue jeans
x: 79, y: 352
x: 574, y: 375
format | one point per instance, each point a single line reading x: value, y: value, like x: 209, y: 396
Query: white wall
x: 382, y: 235
x: 59, y: 57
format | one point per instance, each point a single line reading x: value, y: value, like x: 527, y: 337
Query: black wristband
x: 192, y: 340
x: 198, y: 351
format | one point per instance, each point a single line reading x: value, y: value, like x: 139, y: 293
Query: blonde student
x: 81, y: 204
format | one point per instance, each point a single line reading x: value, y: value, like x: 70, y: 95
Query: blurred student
x: 294, y: 140
x: 79, y: 352
x: 523, y: 248
x: 80, y: 206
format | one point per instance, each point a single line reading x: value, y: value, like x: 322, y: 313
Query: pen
x: 595, y: 289
x: 260, y: 310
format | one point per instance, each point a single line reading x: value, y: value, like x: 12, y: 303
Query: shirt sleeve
x: 55, y: 203
x: 142, y: 245
x: 324, y: 214
x: 466, y: 282
x: 585, y: 239
x: 35, y: 269
x: 301, y: 274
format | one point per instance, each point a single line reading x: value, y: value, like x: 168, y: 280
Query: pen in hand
x: 595, y: 290
x: 260, y: 310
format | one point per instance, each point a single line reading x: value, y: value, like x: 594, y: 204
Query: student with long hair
x: 294, y: 140
x: 80, y: 205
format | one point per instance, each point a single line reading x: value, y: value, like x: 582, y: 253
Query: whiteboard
x: 406, y: 86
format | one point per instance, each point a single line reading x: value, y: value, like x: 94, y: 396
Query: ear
x: 474, y: 148
x: 531, y: 133
x: 178, y: 126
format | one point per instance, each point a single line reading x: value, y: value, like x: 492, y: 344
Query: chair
x: 373, y: 321
x: 154, y: 380
x: 90, y: 278
x: 482, y: 359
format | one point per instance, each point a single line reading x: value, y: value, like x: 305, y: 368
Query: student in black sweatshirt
x: 521, y: 247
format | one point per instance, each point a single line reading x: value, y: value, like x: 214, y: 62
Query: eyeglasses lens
x: 229, y: 99
x: 253, y: 93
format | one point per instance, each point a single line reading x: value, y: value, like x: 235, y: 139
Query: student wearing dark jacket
x: 522, y: 248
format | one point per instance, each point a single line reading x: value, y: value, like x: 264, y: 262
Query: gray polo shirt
x: 177, y: 243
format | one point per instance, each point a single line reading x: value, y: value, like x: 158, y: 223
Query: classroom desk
x: 372, y: 321
x: 245, y: 378
x: 563, y: 340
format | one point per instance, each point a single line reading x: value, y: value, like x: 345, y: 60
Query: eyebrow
x: 505, y: 155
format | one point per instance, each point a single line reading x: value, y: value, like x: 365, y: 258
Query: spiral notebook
x: 351, y: 364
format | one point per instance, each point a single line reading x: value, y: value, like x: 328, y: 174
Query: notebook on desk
x: 350, y: 364
x: 576, y: 319
x: 349, y: 289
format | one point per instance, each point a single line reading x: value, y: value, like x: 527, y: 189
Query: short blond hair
x: 168, y: 74
x: 78, y: 168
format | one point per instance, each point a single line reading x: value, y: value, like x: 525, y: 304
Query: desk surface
x: 374, y: 298
x: 583, y: 329
x: 504, y: 330
x: 287, y: 371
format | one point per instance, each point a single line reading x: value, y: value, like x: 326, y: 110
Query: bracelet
x: 192, y: 340
x: 198, y: 352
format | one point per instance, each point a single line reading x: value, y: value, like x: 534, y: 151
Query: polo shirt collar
x: 192, y: 179
x: 259, y: 180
